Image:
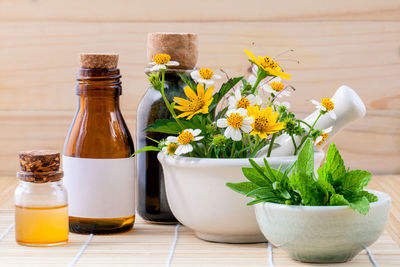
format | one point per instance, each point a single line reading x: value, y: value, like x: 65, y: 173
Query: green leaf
x: 146, y: 148
x: 261, y: 192
x: 255, y: 177
x: 164, y: 126
x: 172, y: 127
x: 189, y: 82
x: 269, y: 173
x: 338, y: 200
x: 308, y: 189
x: 333, y: 165
x: 360, y: 204
x: 354, y: 182
x: 265, y: 199
x: 324, y: 183
x: 243, y: 188
x: 305, y: 160
x: 371, y: 197
x: 225, y: 88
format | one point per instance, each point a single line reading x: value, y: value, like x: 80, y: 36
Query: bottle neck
x: 99, y: 83
x: 99, y: 90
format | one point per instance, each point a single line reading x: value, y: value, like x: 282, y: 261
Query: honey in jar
x: 41, y: 209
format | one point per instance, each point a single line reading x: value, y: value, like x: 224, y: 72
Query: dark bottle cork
x: 39, y: 166
x: 182, y: 47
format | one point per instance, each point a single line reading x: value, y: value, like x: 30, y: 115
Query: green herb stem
x: 309, y: 132
x: 271, y: 143
x: 171, y: 110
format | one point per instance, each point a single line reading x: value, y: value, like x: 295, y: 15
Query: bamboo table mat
x: 150, y: 245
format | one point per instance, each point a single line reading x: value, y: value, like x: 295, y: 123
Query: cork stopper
x: 182, y: 47
x: 98, y: 60
x: 39, y: 166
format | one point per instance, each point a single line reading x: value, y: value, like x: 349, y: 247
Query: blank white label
x: 100, y: 188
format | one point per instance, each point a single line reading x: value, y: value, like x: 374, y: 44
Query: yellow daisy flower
x: 264, y: 121
x: 196, y: 103
x: 269, y: 65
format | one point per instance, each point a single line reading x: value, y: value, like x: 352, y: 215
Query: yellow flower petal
x: 189, y: 92
x: 181, y: 101
x: 200, y: 91
x: 209, y: 92
x: 252, y: 57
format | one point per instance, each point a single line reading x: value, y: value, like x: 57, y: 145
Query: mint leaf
x: 371, y: 197
x: 333, y: 165
x: 338, y: 200
x: 261, y: 192
x: 354, y: 182
x: 305, y: 160
x: 271, y: 199
x: 326, y: 185
x: 256, y: 177
x: 243, y: 188
x: 308, y: 189
x: 360, y: 204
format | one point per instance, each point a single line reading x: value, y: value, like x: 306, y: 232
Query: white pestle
x: 348, y: 107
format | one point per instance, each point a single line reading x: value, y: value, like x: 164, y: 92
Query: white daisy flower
x: 323, y: 137
x: 276, y: 87
x: 204, y: 76
x: 184, y: 139
x: 235, y: 123
x: 169, y: 147
x: 239, y: 101
x: 326, y: 106
x: 161, y: 61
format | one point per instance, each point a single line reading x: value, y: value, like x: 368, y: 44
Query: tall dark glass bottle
x: 99, y: 170
x: 152, y: 202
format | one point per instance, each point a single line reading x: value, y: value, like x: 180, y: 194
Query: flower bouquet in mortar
x: 210, y: 143
x: 240, y: 129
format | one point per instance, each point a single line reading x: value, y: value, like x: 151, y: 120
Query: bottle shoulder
x: 98, y: 136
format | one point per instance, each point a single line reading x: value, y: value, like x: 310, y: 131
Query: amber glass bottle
x: 99, y: 173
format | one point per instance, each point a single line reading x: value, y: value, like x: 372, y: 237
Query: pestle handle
x: 348, y: 107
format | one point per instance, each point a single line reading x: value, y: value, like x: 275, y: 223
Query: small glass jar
x: 41, y: 206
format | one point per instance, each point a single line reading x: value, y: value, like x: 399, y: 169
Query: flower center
x: 161, y: 59
x: 172, y: 148
x: 235, y: 120
x: 243, y: 103
x: 206, y: 73
x: 267, y: 62
x: 196, y: 104
x: 185, y: 137
x: 327, y: 103
x: 276, y: 86
x: 324, y: 137
x: 261, y: 123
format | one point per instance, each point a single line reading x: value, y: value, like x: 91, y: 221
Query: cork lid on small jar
x: 98, y: 60
x: 182, y: 47
x: 39, y: 166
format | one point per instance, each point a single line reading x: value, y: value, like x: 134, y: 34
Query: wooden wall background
x: 356, y: 43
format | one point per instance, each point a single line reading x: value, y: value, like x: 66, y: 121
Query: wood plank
x: 206, y: 10
x: 41, y: 58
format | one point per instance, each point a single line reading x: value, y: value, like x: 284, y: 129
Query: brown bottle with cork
x: 99, y: 170
x: 182, y: 47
